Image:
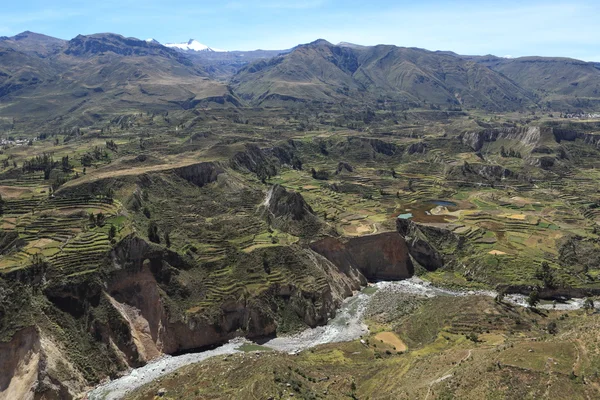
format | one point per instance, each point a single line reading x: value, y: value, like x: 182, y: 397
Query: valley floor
x: 373, y: 306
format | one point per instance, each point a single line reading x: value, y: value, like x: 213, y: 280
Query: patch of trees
x: 264, y: 172
x: 97, y: 154
x: 112, y: 233
x: 534, y: 298
x: 546, y: 275
x: 153, y: 235
x: 44, y: 162
x: 97, y: 220
x: 579, y: 252
x: 588, y: 304
x: 510, y: 153
x: 66, y: 164
x: 320, y: 174
x: 111, y: 145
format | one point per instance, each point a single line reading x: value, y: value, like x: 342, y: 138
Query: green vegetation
x: 156, y: 209
x: 504, y: 351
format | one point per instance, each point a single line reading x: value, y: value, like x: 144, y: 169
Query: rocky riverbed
x: 348, y: 324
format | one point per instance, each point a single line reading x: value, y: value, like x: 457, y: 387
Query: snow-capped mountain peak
x: 150, y: 40
x: 192, y: 45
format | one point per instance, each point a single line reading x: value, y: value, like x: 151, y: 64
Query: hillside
x: 410, y: 224
x: 33, y: 43
x: 84, y: 81
x: 92, y: 77
x: 558, y: 82
x: 321, y: 71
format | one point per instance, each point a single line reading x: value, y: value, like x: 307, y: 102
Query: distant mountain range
x: 83, y: 80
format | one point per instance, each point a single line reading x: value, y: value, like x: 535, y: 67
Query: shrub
x: 533, y: 299
x: 153, y: 232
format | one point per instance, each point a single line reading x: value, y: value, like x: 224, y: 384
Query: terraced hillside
x: 470, y: 348
x: 132, y: 232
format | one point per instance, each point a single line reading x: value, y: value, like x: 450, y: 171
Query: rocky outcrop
x: 488, y: 172
x: 32, y: 367
x: 289, y: 212
x: 10, y: 241
x: 343, y: 166
x: 416, y: 148
x: 132, y: 251
x: 430, y: 246
x: 529, y: 136
x: 287, y: 155
x: 200, y: 174
x: 377, y: 257
x: 143, y: 293
x: 254, y: 160
x: 387, y: 148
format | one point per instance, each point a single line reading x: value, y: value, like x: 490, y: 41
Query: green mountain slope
x: 95, y: 75
x: 323, y: 72
x: 557, y: 82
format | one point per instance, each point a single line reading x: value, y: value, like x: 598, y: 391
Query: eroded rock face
x: 532, y: 136
x: 430, y: 246
x: 254, y: 159
x: 31, y: 367
x: 135, y: 295
x: 143, y: 306
x: 383, y: 256
x: 488, y: 172
x: 526, y: 135
x: 154, y: 327
x: 19, y: 362
x: 200, y: 174
x: 287, y: 210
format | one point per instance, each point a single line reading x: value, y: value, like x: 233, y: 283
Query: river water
x: 347, y: 325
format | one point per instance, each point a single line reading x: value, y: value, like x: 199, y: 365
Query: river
x: 347, y: 325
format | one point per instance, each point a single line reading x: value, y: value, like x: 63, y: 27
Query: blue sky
x: 507, y: 28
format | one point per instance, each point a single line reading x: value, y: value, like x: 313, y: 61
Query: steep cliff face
x: 19, y: 363
x: 149, y: 300
x: 381, y: 256
x: 430, y: 246
x: 200, y: 174
x: 10, y: 241
x: 483, y: 172
x: 569, y: 135
x: 287, y: 210
x: 156, y: 327
x: 529, y: 136
x: 32, y: 367
x: 534, y: 136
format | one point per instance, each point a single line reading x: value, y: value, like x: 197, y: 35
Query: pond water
x: 421, y: 212
x: 405, y: 216
x: 444, y: 203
